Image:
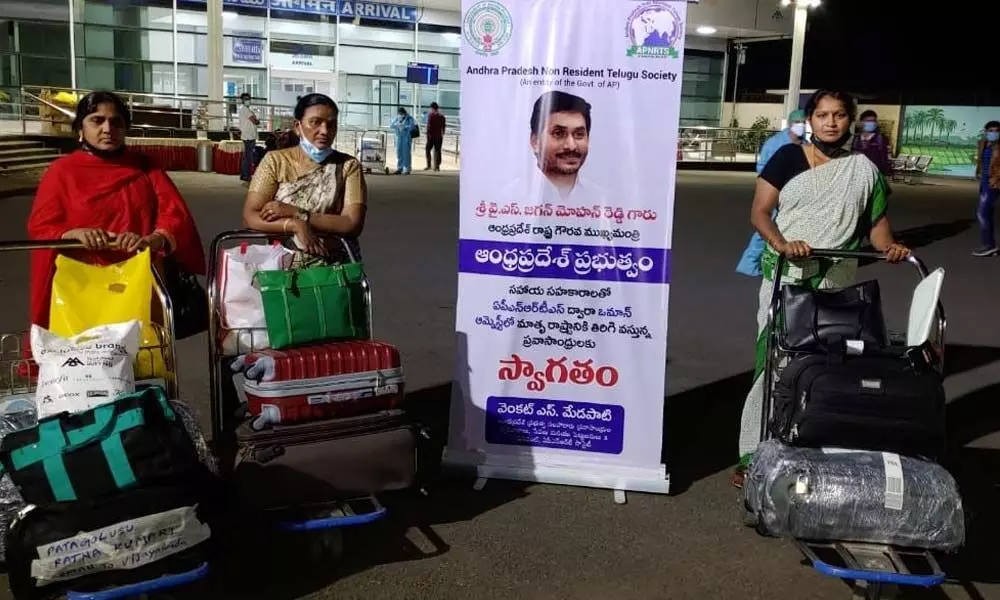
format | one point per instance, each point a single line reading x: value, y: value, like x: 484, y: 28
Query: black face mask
x: 835, y: 149
x: 102, y: 153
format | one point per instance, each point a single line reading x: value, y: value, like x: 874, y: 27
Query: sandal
x: 738, y: 477
x: 740, y: 474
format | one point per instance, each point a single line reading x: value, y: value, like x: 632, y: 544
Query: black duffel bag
x: 90, y: 545
x: 871, y: 402
x: 133, y: 441
x: 813, y: 318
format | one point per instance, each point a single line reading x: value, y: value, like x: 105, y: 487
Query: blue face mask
x: 315, y: 154
x: 869, y: 126
x: 992, y: 136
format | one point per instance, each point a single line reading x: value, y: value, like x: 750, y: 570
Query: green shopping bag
x: 314, y: 304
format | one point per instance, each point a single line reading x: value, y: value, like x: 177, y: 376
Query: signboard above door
x: 347, y: 9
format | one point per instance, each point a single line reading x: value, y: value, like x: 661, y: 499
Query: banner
x: 569, y: 139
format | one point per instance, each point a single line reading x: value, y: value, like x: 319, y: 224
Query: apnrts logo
x: 653, y: 29
x: 487, y: 27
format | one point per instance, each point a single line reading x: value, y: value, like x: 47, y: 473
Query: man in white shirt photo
x: 248, y: 133
x: 560, y: 140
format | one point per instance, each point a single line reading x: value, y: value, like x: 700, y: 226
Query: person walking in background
x: 404, y: 127
x: 988, y: 174
x: 435, y: 137
x: 248, y: 133
x: 872, y: 143
x: 795, y: 133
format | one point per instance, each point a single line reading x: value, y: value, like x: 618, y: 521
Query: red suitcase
x: 322, y: 381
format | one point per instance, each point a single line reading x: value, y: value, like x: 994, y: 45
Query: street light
x: 798, y: 45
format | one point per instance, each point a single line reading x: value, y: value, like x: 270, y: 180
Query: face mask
x: 835, y: 149
x: 102, y: 153
x: 992, y: 136
x: 869, y: 126
x: 246, y: 103
x: 315, y: 154
x: 799, y: 129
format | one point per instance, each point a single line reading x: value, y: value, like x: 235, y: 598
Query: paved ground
x: 514, y: 540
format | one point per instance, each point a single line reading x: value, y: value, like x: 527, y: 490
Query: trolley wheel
x: 875, y: 591
x: 326, y: 546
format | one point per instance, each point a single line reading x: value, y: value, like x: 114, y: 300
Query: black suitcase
x: 324, y: 461
x: 865, y: 402
x: 91, y: 545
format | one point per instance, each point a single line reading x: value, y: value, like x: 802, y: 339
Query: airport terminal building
x: 357, y: 51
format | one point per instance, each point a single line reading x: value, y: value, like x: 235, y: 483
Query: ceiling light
x: 706, y: 30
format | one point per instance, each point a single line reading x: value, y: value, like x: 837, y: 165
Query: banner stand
x: 652, y: 481
x: 570, y: 118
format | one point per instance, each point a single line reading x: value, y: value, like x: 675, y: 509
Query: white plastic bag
x: 242, y: 306
x: 87, y: 370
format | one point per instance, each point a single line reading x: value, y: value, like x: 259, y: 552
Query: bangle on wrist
x: 284, y: 225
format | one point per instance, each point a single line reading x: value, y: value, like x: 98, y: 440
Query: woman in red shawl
x: 103, y: 193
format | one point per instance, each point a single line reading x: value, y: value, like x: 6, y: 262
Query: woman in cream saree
x: 827, y: 198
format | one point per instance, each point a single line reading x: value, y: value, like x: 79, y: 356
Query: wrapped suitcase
x: 322, y: 381
x: 840, y: 495
x: 318, y: 462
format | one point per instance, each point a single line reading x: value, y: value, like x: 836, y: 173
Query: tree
x: 935, y: 117
x: 949, y: 126
x: 918, y: 118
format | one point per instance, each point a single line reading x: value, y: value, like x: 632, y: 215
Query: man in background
x: 988, y: 174
x: 872, y: 143
x: 435, y: 137
x: 795, y: 133
x: 248, y: 133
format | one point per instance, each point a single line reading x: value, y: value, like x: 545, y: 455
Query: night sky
x: 899, y: 51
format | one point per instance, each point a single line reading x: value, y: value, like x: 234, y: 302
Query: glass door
x: 388, y: 100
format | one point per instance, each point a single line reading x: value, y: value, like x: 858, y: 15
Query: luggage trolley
x: 874, y: 570
x: 328, y: 517
x: 371, y: 150
x: 19, y: 378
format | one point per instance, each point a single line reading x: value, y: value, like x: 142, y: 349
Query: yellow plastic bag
x: 85, y: 296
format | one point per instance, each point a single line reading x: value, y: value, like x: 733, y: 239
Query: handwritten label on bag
x: 122, y: 546
x: 893, y: 481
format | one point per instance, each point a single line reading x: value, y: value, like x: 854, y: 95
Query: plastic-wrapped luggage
x: 17, y: 413
x: 847, y: 495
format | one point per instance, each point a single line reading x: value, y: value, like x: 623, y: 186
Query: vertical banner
x: 569, y: 139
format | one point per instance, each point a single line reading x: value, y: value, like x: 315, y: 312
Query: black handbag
x: 813, y: 319
x: 870, y: 402
x: 188, y: 299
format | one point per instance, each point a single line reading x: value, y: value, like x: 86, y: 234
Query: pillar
x: 216, y: 84
x: 798, y: 46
